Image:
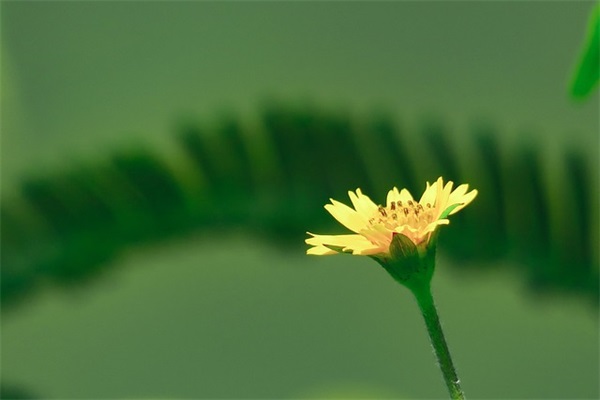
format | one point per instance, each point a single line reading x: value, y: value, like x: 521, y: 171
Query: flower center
x: 398, y: 214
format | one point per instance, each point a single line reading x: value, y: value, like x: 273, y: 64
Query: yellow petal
x: 443, y: 193
x: 412, y: 235
x: 404, y: 228
x: 432, y: 226
x: 363, y: 204
x: 393, y: 196
x: 458, y: 193
x: 368, y: 252
x: 346, y: 242
x: 464, y: 201
x: 320, y: 251
x: 405, y: 196
x: 378, y: 234
x: 346, y: 216
x: 429, y: 195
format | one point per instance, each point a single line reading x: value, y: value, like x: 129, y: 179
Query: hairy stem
x: 436, y: 335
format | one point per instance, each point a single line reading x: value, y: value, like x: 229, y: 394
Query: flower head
x: 375, y: 226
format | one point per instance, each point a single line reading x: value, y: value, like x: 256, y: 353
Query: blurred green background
x: 162, y: 161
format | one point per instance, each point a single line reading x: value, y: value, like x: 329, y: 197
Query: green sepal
x: 448, y: 210
x: 402, y: 247
x: 339, y: 249
x: 409, y: 265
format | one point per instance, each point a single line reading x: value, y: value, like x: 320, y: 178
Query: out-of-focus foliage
x: 274, y: 179
x: 587, y: 71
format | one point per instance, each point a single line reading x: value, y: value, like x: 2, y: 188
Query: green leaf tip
x: 587, y: 72
x: 448, y: 210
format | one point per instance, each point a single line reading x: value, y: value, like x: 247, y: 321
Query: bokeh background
x: 162, y: 161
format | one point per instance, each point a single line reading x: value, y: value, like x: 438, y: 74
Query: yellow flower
x: 375, y: 226
x: 402, y: 237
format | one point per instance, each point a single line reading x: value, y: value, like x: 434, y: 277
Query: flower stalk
x: 438, y: 341
x: 413, y: 267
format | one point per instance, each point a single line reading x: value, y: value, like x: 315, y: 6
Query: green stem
x: 436, y: 335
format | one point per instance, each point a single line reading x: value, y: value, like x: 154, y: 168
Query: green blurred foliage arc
x: 273, y: 180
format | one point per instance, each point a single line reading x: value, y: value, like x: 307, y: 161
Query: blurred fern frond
x: 275, y: 179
